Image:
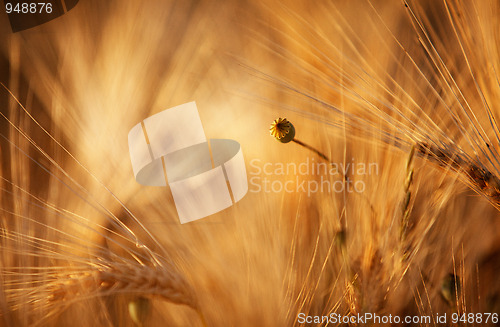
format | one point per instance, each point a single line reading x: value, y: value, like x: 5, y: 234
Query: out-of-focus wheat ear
x: 139, y: 310
x: 341, y: 242
x: 476, y: 176
x: 351, y: 293
x: 450, y: 290
x: 406, y: 207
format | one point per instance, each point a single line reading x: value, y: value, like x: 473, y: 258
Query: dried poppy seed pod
x: 282, y: 130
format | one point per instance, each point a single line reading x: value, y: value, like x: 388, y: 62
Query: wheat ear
x: 478, y: 178
x: 122, y: 278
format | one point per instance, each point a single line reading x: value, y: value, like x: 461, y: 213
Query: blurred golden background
x: 362, y: 82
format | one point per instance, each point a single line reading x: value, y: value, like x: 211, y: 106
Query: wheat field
x: 401, y: 97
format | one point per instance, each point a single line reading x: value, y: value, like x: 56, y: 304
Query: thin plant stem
x: 312, y: 149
